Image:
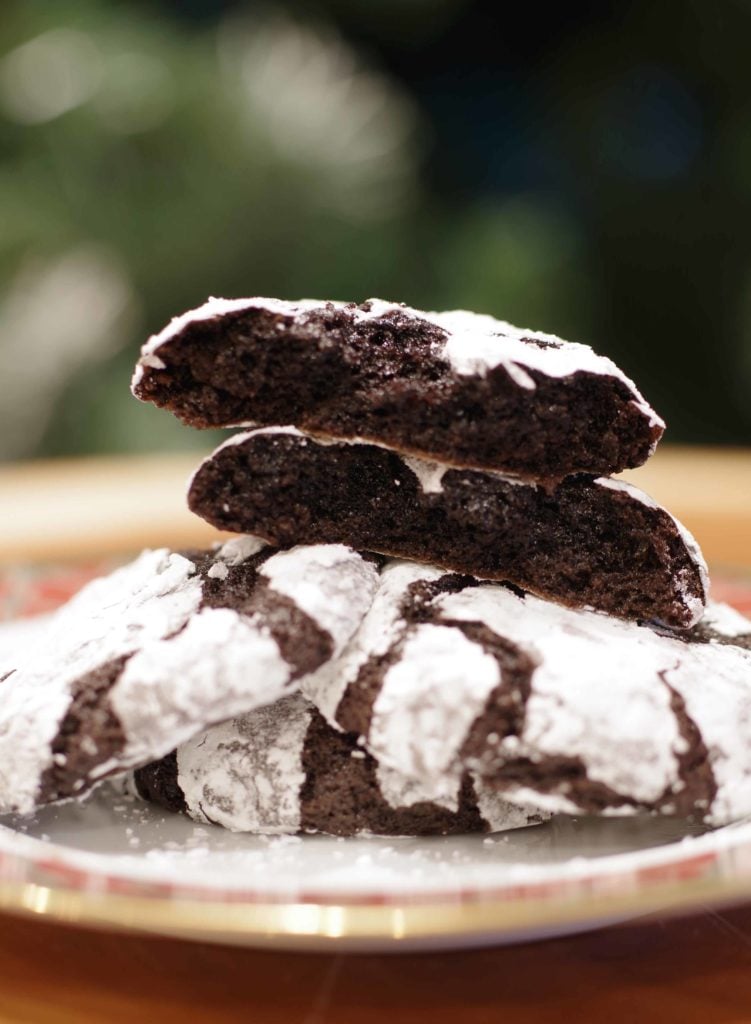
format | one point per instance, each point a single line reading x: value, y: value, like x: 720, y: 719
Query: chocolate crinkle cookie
x: 283, y: 769
x: 571, y: 711
x: 600, y: 543
x: 144, y: 658
x: 458, y: 387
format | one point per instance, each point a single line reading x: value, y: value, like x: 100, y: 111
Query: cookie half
x: 282, y: 769
x: 569, y: 710
x: 141, y: 660
x: 457, y: 387
x: 600, y: 543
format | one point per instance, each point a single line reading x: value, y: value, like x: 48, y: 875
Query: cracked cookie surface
x: 142, y: 659
x: 283, y: 769
x: 571, y: 711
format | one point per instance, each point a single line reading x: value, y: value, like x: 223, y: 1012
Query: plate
x: 112, y: 861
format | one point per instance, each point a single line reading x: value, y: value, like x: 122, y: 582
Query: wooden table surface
x: 696, y: 969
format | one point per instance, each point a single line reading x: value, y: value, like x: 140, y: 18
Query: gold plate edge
x: 302, y: 925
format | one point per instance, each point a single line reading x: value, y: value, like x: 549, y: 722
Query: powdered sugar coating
x: 185, y: 666
x: 429, y: 474
x: 601, y: 693
x: 726, y: 620
x: 546, y: 803
x: 427, y: 703
x: 329, y: 582
x: 237, y: 550
x: 145, y: 600
x: 717, y: 694
x: 220, y: 665
x: 218, y: 571
x: 500, y: 813
x: 246, y: 774
x: 587, y: 663
x: 399, y: 790
x: 380, y: 628
x: 135, y: 606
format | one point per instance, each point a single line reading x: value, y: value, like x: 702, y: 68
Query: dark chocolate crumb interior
x: 157, y: 783
x: 89, y: 735
x: 341, y: 794
x: 580, y: 544
x: 384, y: 379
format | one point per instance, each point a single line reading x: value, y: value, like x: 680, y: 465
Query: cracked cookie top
x: 142, y: 659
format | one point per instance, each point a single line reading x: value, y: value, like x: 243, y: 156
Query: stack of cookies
x: 440, y: 614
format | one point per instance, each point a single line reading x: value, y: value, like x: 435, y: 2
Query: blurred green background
x: 585, y: 171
